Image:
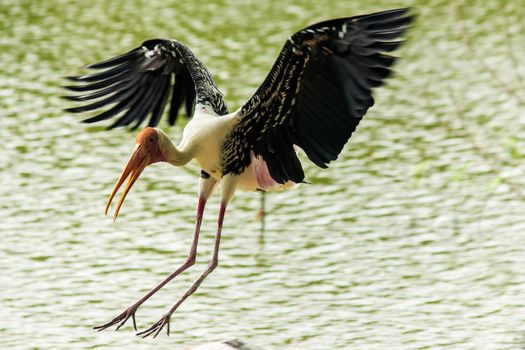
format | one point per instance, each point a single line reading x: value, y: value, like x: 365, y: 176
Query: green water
x: 413, y: 239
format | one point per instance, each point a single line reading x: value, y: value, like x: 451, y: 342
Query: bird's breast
x: 205, y: 137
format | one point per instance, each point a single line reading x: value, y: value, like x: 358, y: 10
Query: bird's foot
x: 121, y: 319
x: 157, y: 327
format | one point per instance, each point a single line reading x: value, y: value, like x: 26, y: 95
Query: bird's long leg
x: 165, y: 320
x: 228, y: 185
x: 206, y: 188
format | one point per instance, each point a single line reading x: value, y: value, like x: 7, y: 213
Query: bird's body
x: 202, y: 138
x: 314, y: 97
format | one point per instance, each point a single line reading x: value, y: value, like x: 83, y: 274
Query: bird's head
x: 148, y: 150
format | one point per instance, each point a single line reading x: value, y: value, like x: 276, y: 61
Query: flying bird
x: 313, y: 99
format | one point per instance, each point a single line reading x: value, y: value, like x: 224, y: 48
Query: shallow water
x: 413, y: 239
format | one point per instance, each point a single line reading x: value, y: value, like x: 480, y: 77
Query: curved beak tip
x: 136, y: 164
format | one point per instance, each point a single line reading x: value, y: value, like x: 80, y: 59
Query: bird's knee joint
x: 190, y: 260
x: 212, y: 265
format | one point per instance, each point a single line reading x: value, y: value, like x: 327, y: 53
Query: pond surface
x: 413, y: 239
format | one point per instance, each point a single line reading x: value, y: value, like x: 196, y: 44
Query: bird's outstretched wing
x: 139, y: 83
x: 315, y: 94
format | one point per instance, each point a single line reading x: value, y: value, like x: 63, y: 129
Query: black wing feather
x: 178, y: 95
x: 316, y: 93
x: 111, y: 62
x: 159, y: 105
x: 99, y: 84
x: 122, y: 69
x: 139, y: 84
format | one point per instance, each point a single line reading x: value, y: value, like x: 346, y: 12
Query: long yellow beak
x: 138, y: 160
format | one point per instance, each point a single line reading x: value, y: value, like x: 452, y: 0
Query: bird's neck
x: 176, y: 155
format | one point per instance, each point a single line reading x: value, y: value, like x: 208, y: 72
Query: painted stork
x: 313, y: 98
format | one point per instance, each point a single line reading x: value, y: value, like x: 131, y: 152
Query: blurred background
x: 413, y: 239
